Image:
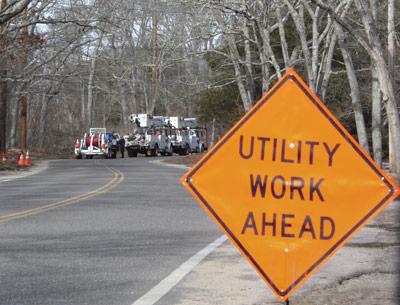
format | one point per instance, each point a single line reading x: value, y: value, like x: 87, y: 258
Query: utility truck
x: 186, y: 137
x: 94, y: 143
x: 150, y: 136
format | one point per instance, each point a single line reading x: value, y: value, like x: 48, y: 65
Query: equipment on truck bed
x: 149, y: 137
x: 93, y: 144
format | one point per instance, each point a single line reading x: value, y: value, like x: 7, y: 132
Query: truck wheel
x: 185, y: 150
x: 155, y: 151
x: 200, y: 149
x: 79, y: 156
x: 170, y: 151
x: 132, y: 153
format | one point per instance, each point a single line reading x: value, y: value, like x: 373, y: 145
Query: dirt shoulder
x: 37, y: 160
x: 188, y: 160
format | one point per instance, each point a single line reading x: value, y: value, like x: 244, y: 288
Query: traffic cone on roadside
x: 27, y: 159
x: 4, y: 158
x: 20, y: 159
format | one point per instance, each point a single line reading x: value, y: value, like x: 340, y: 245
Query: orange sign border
x: 291, y: 75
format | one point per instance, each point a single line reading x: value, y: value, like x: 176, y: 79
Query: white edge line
x: 162, y: 288
x: 162, y: 163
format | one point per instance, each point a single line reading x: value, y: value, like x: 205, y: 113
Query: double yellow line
x: 117, y: 178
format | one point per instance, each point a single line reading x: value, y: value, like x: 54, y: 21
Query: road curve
x: 95, y: 232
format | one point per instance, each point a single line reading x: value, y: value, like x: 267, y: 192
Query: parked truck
x: 94, y: 143
x: 150, y: 136
x: 186, y: 136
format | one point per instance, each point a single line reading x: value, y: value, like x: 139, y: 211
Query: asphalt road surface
x: 96, y: 232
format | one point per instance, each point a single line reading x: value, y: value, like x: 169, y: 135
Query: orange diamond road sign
x: 289, y: 185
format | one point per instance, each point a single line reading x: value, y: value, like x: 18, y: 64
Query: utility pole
x: 154, y: 63
x: 23, y: 100
x: 3, y: 86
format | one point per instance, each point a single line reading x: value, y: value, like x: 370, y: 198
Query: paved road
x: 95, y: 232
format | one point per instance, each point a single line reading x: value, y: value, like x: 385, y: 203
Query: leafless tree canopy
x: 73, y: 64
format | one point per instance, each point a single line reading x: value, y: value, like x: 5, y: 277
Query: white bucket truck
x: 150, y: 136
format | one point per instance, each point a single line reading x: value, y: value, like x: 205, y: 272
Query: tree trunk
x: 23, y: 115
x: 83, y: 105
x: 251, y: 89
x: 91, y: 81
x: 42, y: 121
x: 386, y: 82
x: 355, y: 91
x: 376, y: 117
x: 393, y: 149
x: 282, y: 36
x: 3, y: 108
x: 235, y: 57
x: 3, y: 88
x: 154, y: 64
x: 124, y: 106
x: 212, y: 140
x: 23, y: 99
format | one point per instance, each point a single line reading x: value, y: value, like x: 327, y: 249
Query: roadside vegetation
x: 66, y: 66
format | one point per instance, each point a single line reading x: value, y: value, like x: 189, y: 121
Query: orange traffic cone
x: 4, y: 158
x: 20, y: 159
x: 27, y: 159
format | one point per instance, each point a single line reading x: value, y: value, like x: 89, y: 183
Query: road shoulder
x: 37, y: 168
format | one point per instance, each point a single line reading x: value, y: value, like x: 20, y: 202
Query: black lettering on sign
x: 325, y: 232
x: 274, y: 150
x: 250, y: 223
x: 266, y: 224
x: 296, y: 184
x: 307, y: 227
x: 331, y: 152
x: 314, y: 188
x: 274, y: 187
x: 250, y: 154
x: 286, y: 225
x: 283, y: 153
x: 299, y: 152
x: 311, y: 156
x: 258, y: 184
x: 278, y: 187
x: 263, y: 140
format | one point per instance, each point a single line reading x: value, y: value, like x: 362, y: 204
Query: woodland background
x: 69, y: 65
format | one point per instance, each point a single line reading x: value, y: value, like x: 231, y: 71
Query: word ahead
x: 289, y: 185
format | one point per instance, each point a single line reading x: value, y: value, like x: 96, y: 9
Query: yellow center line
x: 118, y: 177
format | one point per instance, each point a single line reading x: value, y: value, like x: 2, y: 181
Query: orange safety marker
x: 4, y: 158
x: 289, y: 185
x: 27, y: 159
x: 20, y: 159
